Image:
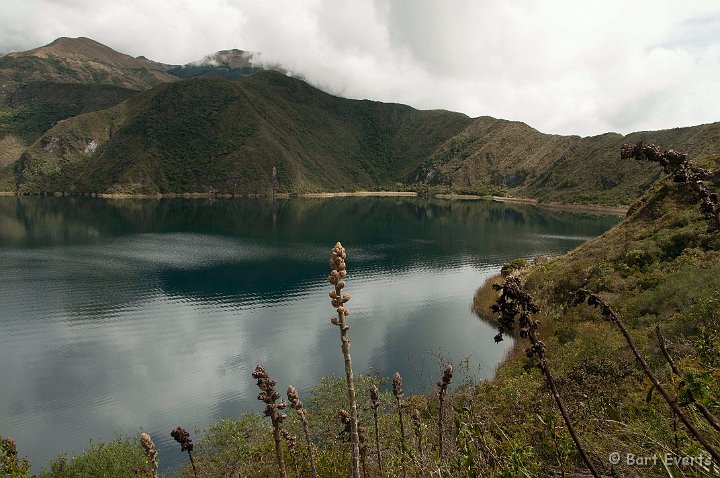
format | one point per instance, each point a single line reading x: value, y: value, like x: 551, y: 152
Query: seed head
x: 446, y: 378
x: 294, y: 398
x: 338, y: 269
x: 148, y: 445
x: 150, y: 451
x: 346, y: 421
x: 183, y: 438
x: 415, y: 417
x: 374, y: 397
x: 268, y: 394
x: 397, y: 386
x: 289, y: 438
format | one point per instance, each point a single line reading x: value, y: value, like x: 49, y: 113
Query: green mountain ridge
x: 205, y: 134
x: 214, y: 135
x: 492, y: 153
x: 71, y: 76
x: 210, y: 134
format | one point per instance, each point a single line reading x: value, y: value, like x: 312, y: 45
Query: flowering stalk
x: 417, y: 426
x: 338, y: 300
x: 362, y: 436
x: 398, y: 392
x: 345, y: 434
x: 443, y: 385
x: 297, y: 405
x: 150, y: 451
x: 269, y: 395
x: 183, y: 438
x: 375, y: 404
x: 290, y: 440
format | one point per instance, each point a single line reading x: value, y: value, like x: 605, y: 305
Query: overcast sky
x: 562, y: 66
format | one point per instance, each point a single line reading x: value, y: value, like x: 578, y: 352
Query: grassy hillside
x: 493, y: 153
x: 211, y: 134
x: 68, y: 77
x: 659, y: 266
x: 27, y: 111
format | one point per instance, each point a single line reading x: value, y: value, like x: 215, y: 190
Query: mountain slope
x: 210, y: 134
x: 659, y: 267
x: 65, y: 78
x: 493, y: 153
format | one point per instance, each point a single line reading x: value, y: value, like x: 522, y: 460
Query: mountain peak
x: 227, y: 59
x: 84, y: 49
x: 82, y: 60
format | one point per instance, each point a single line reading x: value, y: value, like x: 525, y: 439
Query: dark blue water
x: 129, y: 315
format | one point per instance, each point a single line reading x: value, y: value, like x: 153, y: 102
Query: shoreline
x: 360, y: 194
x: 616, y: 210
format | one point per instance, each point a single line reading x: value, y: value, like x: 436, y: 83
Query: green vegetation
x: 193, y: 71
x: 496, y: 153
x: 122, y: 457
x: 10, y: 465
x: 211, y: 135
x: 31, y: 109
x: 28, y: 111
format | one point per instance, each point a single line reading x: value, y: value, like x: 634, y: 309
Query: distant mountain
x: 228, y: 64
x: 84, y: 61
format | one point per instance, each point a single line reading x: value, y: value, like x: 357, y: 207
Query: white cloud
x: 561, y: 66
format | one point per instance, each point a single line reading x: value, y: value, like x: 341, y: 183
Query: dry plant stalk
x: 183, y: 438
x: 417, y: 427
x: 700, y: 407
x: 346, y: 433
x: 513, y: 301
x: 297, y: 405
x: 338, y: 300
x: 677, y: 165
x: 269, y: 395
x: 362, y: 435
x: 290, y: 440
x: 594, y: 300
x: 151, y: 452
x: 375, y: 404
x: 443, y: 385
x: 398, y: 392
